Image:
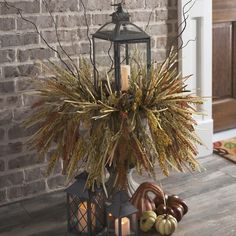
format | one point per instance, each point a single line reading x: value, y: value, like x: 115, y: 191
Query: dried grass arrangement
x: 150, y: 123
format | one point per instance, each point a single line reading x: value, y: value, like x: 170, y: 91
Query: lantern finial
x: 119, y: 15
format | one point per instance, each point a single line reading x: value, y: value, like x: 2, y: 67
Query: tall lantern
x: 121, y: 216
x: 120, y: 31
x: 85, y: 208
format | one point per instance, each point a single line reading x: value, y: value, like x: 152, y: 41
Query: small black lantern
x: 121, y: 216
x: 120, y: 31
x: 85, y: 208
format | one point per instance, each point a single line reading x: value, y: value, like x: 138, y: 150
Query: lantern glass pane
x: 110, y: 224
x: 73, y: 210
x: 83, y: 217
x: 98, y: 214
x: 108, y: 28
x: 104, y: 56
x: 133, y: 224
x: 129, y: 29
x: 80, y: 210
x: 138, y: 53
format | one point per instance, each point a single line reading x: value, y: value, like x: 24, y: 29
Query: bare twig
x: 57, y: 35
x: 187, y: 43
x: 150, y: 17
x: 87, y: 32
x: 183, y: 25
x: 89, y: 39
x: 112, y: 61
x: 19, y: 11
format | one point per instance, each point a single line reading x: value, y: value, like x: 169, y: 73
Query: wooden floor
x: 210, y: 195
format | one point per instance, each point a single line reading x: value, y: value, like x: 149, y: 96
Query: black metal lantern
x: 85, y: 208
x: 120, y: 31
x: 121, y: 216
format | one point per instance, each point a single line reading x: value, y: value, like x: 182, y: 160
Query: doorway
x: 224, y: 64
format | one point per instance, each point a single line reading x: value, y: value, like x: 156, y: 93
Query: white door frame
x: 196, y: 59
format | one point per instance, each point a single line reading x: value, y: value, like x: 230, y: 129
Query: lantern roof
x: 120, y: 29
x: 79, y: 189
x: 120, y: 206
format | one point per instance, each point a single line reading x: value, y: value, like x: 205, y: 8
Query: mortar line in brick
x: 22, y: 100
x: 43, y: 164
x: 9, y: 172
x: 17, y: 63
x: 43, y: 30
x: 24, y: 15
x: 46, y: 185
x: 41, y: 45
x: 62, y: 28
x: 8, y: 16
x: 89, y: 12
x: 159, y: 23
x: 26, y: 183
x: 17, y: 200
x: 65, y: 13
x: 35, y: 63
x: 148, y: 10
x: 19, y: 32
x: 98, y: 12
x: 12, y: 156
x: 29, y: 46
x: 7, y: 199
x: 40, y: 7
x: 8, y: 93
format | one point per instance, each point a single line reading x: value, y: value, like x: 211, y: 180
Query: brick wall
x: 22, y: 174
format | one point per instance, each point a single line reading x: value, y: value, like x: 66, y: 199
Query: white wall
x: 196, y: 59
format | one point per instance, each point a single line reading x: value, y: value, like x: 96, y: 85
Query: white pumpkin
x: 166, y: 224
x: 147, y: 220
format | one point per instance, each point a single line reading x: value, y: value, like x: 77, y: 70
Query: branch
x: 19, y: 11
x: 89, y: 39
x: 150, y: 17
x: 87, y: 26
x: 58, y: 40
x: 112, y: 61
x: 183, y: 24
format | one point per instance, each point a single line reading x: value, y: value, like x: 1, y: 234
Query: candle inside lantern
x: 83, y: 216
x: 125, y: 226
x: 125, y: 75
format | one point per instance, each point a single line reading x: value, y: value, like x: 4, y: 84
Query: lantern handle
x: 119, y: 7
x: 119, y: 15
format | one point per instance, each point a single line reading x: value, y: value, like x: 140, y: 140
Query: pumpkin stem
x: 163, y: 195
x: 166, y: 216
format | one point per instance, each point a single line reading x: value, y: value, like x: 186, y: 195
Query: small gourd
x: 147, y: 220
x: 166, y: 224
x: 172, y: 205
x: 176, y: 199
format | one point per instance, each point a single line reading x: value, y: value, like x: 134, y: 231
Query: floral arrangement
x: 93, y: 129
